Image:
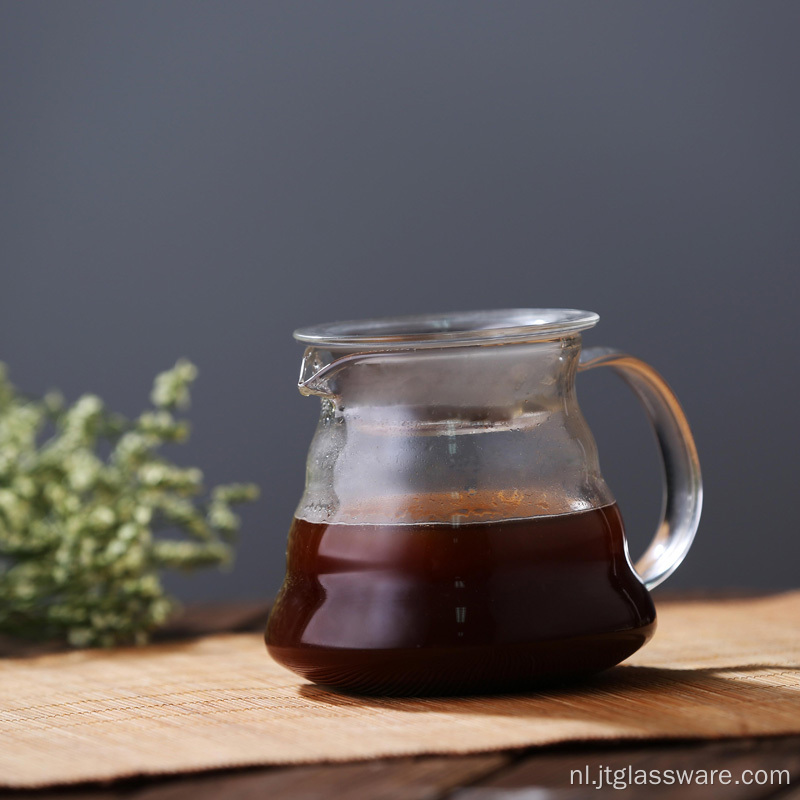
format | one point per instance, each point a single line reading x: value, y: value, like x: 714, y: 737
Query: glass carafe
x: 456, y: 534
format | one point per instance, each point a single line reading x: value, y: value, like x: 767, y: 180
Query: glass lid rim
x: 448, y: 329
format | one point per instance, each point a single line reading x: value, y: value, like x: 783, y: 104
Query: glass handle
x: 683, y: 487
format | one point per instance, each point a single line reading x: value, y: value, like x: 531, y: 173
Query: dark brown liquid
x: 434, y: 609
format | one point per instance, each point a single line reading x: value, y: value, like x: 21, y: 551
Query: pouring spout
x: 320, y: 369
x: 314, y: 371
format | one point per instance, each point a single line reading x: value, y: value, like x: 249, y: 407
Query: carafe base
x: 439, y: 671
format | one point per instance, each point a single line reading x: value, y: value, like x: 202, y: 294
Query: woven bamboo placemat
x: 714, y: 669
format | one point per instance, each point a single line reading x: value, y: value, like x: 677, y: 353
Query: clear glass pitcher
x: 456, y: 534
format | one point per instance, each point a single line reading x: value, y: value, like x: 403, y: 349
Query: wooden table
x: 532, y: 774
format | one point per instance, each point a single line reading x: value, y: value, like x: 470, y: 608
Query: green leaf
x: 90, y: 516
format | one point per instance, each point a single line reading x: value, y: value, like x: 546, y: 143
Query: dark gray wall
x: 198, y: 179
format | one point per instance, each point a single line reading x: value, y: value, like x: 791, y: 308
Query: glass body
x: 456, y: 534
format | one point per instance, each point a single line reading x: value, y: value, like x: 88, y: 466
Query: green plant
x: 91, y: 514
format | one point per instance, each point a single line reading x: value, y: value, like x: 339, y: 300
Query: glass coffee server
x: 456, y: 534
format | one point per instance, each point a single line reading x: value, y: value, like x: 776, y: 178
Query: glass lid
x: 450, y: 329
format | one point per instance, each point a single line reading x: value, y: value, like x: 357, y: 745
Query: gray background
x: 198, y: 179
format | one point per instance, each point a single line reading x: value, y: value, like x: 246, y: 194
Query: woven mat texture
x: 714, y: 669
